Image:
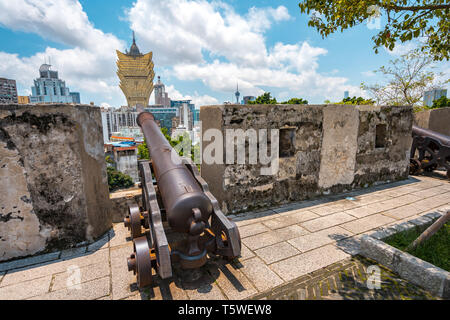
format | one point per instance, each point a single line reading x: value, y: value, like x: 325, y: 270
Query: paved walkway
x: 281, y: 248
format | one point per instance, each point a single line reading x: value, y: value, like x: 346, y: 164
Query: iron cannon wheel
x: 135, y: 221
x: 415, y: 166
x: 143, y: 262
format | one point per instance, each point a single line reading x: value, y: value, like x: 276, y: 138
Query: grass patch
x: 435, y: 250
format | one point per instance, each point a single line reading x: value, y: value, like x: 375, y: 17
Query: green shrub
x: 118, y: 180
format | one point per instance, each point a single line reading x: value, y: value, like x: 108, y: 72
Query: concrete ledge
x: 415, y: 270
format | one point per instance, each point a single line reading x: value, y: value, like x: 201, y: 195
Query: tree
x: 408, y: 78
x: 118, y: 180
x: 108, y: 160
x: 442, y: 102
x: 143, y: 153
x: 182, y: 140
x: 295, y: 101
x: 356, y: 101
x: 426, y: 20
x: 265, y: 98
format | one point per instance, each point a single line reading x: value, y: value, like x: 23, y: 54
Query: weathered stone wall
x: 335, y: 148
x: 436, y: 119
x: 53, y: 182
x: 120, y: 201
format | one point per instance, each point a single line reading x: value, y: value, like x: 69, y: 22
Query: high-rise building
x: 23, y: 99
x: 48, y: 88
x: 430, y: 96
x: 117, y: 121
x: 161, y: 96
x: 346, y: 94
x: 135, y: 71
x: 76, y: 97
x: 165, y: 116
x: 8, y: 91
x: 196, y: 116
x: 185, y: 106
x: 249, y: 98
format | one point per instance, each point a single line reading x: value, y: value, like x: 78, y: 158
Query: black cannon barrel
x: 442, y: 138
x: 180, y: 191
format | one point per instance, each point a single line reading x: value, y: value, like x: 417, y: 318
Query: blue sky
x: 201, y: 49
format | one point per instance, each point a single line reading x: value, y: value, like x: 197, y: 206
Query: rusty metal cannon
x: 430, y: 150
x: 178, y: 202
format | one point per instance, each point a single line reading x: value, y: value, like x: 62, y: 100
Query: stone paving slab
x: 281, y: 246
x: 87, y: 291
x: 260, y: 274
x: 277, y: 252
x: 233, y: 283
x: 308, y: 262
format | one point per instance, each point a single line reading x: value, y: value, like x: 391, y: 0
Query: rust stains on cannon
x: 430, y: 150
x: 182, y: 197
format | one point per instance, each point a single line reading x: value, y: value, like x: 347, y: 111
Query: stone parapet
x: 53, y: 181
x: 436, y: 119
x: 323, y: 149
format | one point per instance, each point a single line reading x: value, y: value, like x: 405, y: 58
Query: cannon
x: 176, y: 202
x: 430, y: 150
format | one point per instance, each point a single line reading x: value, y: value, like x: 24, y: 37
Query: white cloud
x: 63, y: 21
x: 89, y: 66
x: 260, y: 19
x: 197, y: 99
x: 183, y: 34
x: 178, y: 31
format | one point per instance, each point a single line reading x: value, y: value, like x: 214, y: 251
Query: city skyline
x: 200, y: 49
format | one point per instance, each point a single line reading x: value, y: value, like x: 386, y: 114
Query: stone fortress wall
x: 53, y: 181
x: 435, y: 119
x: 326, y: 149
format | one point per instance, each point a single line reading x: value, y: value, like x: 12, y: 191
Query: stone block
x: 66, y: 279
x: 260, y: 274
x: 329, y: 149
x: 27, y: 289
x: 310, y: 241
x: 378, y: 251
x: 335, y: 233
x: 310, y: 261
x: 367, y: 223
x: 53, y: 182
x: 277, y: 252
x: 232, y: 282
x: 268, y: 238
x: 252, y: 229
x: 327, y: 221
x: 89, y: 291
x: 123, y: 281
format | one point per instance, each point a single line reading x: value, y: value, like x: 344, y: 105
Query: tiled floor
x: 279, y: 246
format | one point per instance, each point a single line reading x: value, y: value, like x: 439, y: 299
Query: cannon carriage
x: 430, y: 150
x: 177, y: 201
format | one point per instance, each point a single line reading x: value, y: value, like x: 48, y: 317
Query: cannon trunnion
x: 177, y: 203
x: 430, y: 150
